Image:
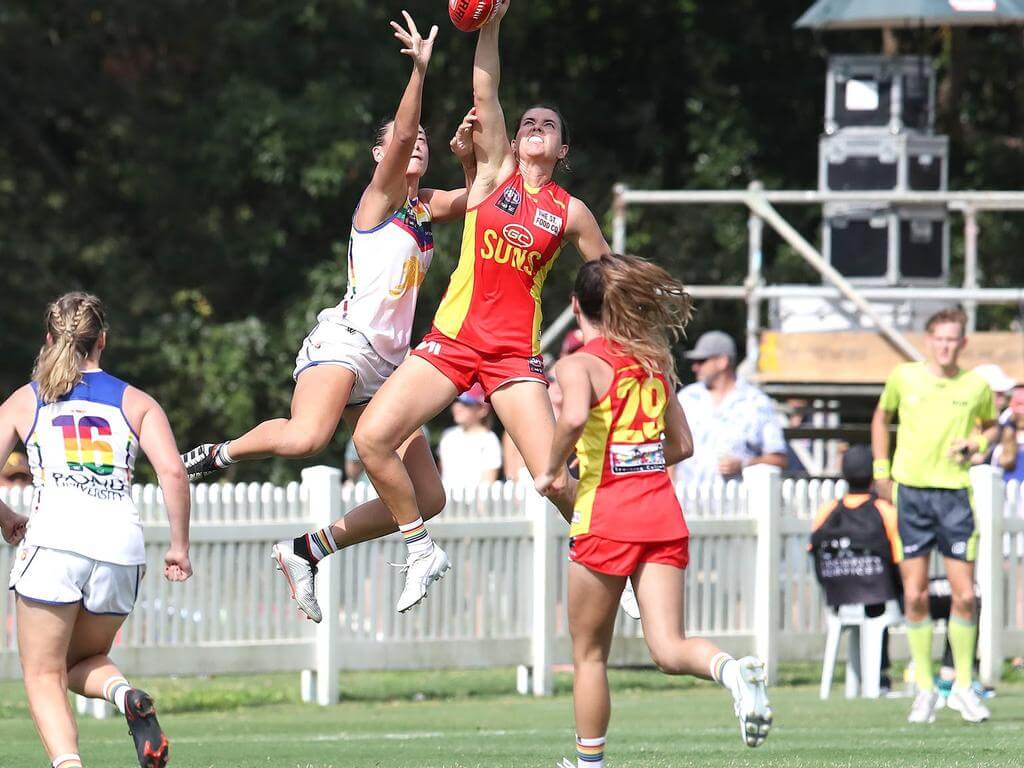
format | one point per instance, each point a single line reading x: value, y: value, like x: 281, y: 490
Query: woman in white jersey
x: 356, y: 345
x: 76, y: 574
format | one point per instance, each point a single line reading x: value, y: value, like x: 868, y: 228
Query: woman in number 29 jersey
x: 627, y: 428
x: 487, y: 328
x: 357, y: 345
x: 77, y: 571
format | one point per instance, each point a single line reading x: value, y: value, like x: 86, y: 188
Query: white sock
x: 66, y: 760
x: 114, y: 691
x: 725, y: 671
x: 416, y: 537
x: 223, y: 456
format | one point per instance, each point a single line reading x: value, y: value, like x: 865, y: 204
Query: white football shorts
x: 56, y: 577
x: 330, y: 343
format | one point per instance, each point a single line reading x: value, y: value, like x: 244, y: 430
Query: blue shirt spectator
x: 733, y: 423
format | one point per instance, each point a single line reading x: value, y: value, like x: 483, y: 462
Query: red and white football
x: 470, y: 15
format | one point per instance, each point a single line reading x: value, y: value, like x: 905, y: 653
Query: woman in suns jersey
x: 356, y: 345
x: 487, y: 327
x: 76, y: 574
x: 627, y: 428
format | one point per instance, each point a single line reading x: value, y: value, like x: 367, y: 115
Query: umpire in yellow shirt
x: 945, y: 415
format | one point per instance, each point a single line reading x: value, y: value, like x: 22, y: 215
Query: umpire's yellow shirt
x: 934, y: 412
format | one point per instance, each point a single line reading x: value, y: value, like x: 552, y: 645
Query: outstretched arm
x: 493, y: 150
x: 583, y: 231
x: 577, y: 392
x: 388, y: 187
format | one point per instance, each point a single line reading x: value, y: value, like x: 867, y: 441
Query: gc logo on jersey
x: 518, y: 235
x: 509, y: 201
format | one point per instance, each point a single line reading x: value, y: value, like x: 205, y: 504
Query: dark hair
x: 638, y: 305
x: 858, y: 467
x: 381, y: 131
x: 563, y: 123
x: 950, y: 315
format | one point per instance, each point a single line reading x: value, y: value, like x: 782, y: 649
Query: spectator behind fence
x: 1009, y: 453
x: 734, y: 424
x: 946, y: 415
x: 16, y: 472
x: 470, y: 452
x: 1002, y: 388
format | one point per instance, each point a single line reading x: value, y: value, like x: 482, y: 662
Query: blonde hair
x: 638, y: 305
x: 75, y: 323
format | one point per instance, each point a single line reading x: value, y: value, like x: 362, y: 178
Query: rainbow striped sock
x: 416, y: 537
x: 114, y: 691
x: 720, y: 670
x: 590, y: 752
x: 320, y: 544
x: 67, y: 761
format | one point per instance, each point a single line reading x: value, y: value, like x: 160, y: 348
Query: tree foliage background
x: 196, y: 164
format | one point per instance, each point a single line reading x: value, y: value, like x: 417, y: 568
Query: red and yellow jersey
x: 509, y: 244
x: 625, y: 492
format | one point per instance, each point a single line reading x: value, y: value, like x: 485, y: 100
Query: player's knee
x: 666, y: 663
x: 588, y: 653
x: 371, y: 443
x: 916, y: 600
x: 300, y: 443
x: 963, y: 602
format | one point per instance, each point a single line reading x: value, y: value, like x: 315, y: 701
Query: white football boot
x: 923, y: 709
x: 301, y: 578
x: 750, y: 701
x: 420, y: 570
x: 966, y: 702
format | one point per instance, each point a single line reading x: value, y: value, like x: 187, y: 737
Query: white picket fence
x: 750, y: 584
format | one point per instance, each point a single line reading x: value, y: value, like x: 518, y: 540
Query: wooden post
x: 989, y: 500
x: 324, y: 488
x: 763, y: 484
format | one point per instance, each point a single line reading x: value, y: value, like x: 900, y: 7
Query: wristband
x: 880, y: 469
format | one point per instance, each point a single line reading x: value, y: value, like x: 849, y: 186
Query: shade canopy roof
x: 875, y: 14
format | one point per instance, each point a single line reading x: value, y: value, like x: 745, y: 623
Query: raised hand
x: 416, y: 47
x: 462, y: 142
x: 499, y: 13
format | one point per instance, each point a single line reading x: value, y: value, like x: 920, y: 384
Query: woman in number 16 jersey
x: 77, y: 571
x: 627, y: 428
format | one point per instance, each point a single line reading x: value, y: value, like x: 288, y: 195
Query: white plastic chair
x: 864, y: 651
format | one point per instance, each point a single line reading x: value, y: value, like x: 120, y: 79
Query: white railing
x: 750, y: 583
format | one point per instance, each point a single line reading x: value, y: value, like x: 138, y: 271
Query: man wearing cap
x: 734, y: 424
x: 470, y: 452
x: 16, y: 471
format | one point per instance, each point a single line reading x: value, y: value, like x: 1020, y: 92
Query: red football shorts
x: 621, y: 558
x: 464, y: 366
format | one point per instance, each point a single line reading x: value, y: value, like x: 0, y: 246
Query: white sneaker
x: 966, y: 702
x: 750, y: 701
x: 628, y: 603
x: 300, y: 575
x: 923, y: 710
x: 420, y: 570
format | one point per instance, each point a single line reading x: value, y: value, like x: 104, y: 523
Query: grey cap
x: 713, y: 344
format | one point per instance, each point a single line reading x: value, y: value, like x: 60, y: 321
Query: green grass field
x: 470, y: 719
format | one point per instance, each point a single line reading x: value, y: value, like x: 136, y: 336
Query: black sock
x: 301, y: 547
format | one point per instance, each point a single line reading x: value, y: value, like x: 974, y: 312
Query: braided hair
x: 74, y: 324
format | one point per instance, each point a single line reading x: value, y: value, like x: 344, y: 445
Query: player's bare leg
x: 318, y: 402
x: 963, y: 634
x: 524, y: 409
x: 660, y: 592
x: 593, y: 600
x: 413, y: 395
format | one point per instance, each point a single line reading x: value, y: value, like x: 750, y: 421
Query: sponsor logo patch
x: 537, y: 365
x: 509, y: 201
x: 627, y: 459
x: 549, y: 222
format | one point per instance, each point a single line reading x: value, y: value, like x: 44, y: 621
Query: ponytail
x: 639, y: 306
x: 74, y: 323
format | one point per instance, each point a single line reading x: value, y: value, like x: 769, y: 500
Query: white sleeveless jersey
x: 386, y: 267
x: 82, y: 453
